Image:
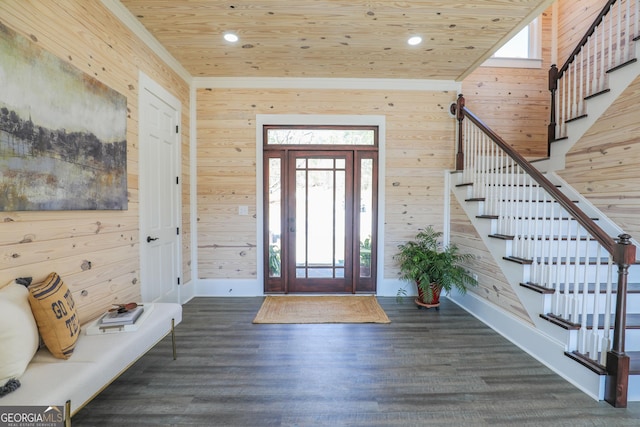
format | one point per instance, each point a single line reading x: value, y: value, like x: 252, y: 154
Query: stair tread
x: 634, y: 362
x: 502, y: 236
x: 540, y: 159
x: 547, y: 218
x: 572, y: 260
x: 587, y: 362
x: 624, y: 64
x: 559, y: 260
x: 534, y: 200
x: 537, y: 288
x: 518, y: 260
x: 593, y: 95
x: 582, y: 116
x: 547, y: 238
x: 632, y: 321
x: 632, y: 288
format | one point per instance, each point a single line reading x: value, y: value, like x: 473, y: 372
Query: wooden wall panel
x: 492, y: 285
x: 95, y: 252
x: 603, y: 165
x: 419, y: 147
x: 574, y: 19
x: 514, y: 102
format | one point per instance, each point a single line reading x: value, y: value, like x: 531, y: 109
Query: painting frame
x: 63, y: 133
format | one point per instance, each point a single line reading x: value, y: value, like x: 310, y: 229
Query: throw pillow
x: 55, y: 313
x: 18, y: 332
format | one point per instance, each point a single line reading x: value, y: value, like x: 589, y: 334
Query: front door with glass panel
x: 320, y: 217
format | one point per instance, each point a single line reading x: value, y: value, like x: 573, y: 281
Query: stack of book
x: 119, y: 318
x: 114, y: 322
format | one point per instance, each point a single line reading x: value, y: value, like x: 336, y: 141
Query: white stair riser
x: 508, y: 226
x: 633, y: 302
x: 524, y: 209
x: 532, y: 249
x: 569, y: 273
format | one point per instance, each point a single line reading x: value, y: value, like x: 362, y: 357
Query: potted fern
x: 432, y: 267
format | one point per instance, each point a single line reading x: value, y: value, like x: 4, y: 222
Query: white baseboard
x: 229, y: 288
x: 187, y: 292
x: 254, y: 288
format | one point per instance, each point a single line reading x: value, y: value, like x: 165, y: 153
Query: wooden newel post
x: 553, y: 87
x: 457, y: 110
x: 617, y: 381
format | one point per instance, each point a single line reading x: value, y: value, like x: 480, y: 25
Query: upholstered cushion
x: 55, y: 313
x: 18, y: 332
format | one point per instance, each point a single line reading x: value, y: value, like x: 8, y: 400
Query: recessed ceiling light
x: 230, y: 37
x: 415, y: 40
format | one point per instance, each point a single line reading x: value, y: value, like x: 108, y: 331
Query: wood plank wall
x: 514, y: 102
x: 574, y: 19
x: 420, y: 146
x: 492, y: 284
x: 95, y: 252
x: 603, y: 165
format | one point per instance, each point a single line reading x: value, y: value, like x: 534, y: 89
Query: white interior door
x: 159, y: 142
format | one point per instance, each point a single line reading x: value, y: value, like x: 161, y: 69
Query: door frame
x: 317, y: 120
x: 146, y: 84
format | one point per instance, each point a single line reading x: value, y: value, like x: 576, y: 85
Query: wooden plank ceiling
x: 333, y: 38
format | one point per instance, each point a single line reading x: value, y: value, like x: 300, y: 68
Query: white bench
x: 96, y: 361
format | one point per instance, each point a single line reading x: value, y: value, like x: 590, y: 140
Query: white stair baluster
x: 561, y: 290
x: 618, y: 42
x: 636, y: 31
x: 628, y: 38
x: 611, y: 38
x: 576, y: 284
x: 606, y: 324
x: 585, y: 294
x: 593, y: 342
x: 501, y: 194
x: 581, y: 86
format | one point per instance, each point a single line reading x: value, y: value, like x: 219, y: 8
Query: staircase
x: 575, y: 279
x: 565, y: 280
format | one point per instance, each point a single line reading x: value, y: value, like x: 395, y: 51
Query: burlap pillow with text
x: 55, y: 313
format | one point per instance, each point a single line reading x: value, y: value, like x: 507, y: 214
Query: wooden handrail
x: 585, y: 38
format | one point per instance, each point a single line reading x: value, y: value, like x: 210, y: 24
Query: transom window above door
x: 319, y: 135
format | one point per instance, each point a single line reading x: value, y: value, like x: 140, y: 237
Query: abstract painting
x: 62, y: 133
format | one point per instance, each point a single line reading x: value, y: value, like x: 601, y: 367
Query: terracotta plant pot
x: 435, y: 296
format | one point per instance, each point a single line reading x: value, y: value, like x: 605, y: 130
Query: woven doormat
x: 321, y: 309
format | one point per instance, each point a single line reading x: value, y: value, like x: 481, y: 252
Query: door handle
x: 151, y: 239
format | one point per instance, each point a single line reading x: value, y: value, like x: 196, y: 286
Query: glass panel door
x: 321, y: 211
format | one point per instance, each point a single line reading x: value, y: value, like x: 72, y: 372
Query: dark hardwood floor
x: 426, y: 368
